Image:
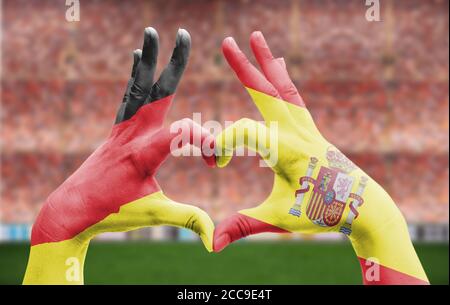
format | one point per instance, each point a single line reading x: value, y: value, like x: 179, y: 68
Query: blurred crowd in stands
x: 377, y: 90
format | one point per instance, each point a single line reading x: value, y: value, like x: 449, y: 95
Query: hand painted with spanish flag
x: 115, y: 188
x: 316, y: 188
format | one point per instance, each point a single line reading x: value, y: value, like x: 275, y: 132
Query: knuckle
x: 159, y: 91
x: 193, y: 222
x: 272, y: 92
x: 289, y: 89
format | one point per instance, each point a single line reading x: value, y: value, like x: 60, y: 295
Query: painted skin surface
x: 115, y: 188
x: 307, y: 166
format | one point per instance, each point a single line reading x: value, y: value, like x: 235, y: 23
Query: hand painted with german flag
x: 316, y: 188
x: 115, y: 188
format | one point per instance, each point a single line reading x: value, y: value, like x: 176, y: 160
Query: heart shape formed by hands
x: 316, y: 188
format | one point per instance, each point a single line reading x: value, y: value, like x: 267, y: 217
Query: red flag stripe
x: 308, y: 210
x: 386, y: 276
x: 318, y: 205
x: 322, y: 208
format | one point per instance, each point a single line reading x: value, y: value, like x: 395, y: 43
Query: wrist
x: 382, y: 243
x: 57, y: 262
x: 55, y: 258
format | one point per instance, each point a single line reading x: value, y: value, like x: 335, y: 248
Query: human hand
x: 115, y: 188
x: 316, y: 188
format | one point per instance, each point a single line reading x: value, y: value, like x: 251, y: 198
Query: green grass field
x: 241, y: 263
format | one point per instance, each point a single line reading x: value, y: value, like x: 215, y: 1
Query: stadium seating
x: 378, y: 91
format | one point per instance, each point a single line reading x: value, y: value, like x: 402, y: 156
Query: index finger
x: 170, y: 77
x: 247, y: 73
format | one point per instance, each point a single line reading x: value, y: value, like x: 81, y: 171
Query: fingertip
x: 150, y: 36
x: 183, y: 33
x: 183, y: 38
x: 181, y: 51
x: 259, y: 46
x: 257, y: 38
x: 222, y: 155
x: 207, y: 231
x: 208, y: 152
x: 222, y: 161
x: 207, y: 242
x: 227, y: 231
x: 229, y: 45
x: 256, y: 35
x: 137, y: 54
x: 150, y: 32
x: 228, y: 41
x: 150, y: 47
x: 221, y: 242
x: 210, y: 161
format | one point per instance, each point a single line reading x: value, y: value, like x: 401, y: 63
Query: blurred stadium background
x: 377, y: 90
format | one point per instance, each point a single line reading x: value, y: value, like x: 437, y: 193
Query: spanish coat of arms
x: 330, y: 192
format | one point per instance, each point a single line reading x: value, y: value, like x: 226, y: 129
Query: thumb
x: 244, y: 132
x: 239, y: 226
x: 189, y: 217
